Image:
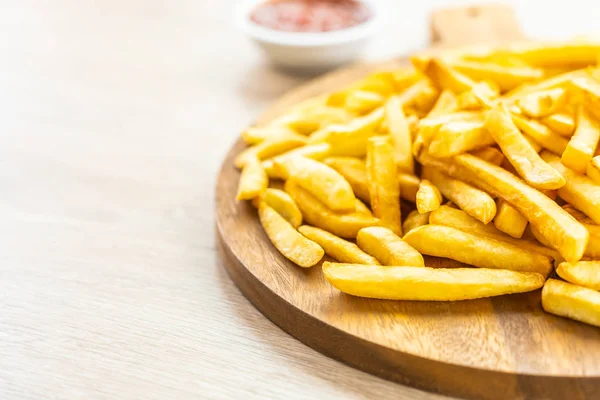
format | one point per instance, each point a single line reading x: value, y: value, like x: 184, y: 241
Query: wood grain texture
x: 499, y: 348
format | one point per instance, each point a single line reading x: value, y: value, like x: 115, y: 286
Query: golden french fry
x: 542, y: 103
x: 352, y: 140
x: 507, y: 77
x: 325, y: 183
x: 473, y: 201
x: 561, y: 123
x: 458, y: 219
x: 509, y: 220
x: 413, y: 220
x: 541, y: 134
x: 361, y: 208
x: 480, y: 251
x: 582, y: 273
x: 317, y: 214
x: 561, y: 80
x: 339, y: 249
x: 281, y: 202
x: 409, y: 186
x: 355, y: 129
x: 579, y: 191
x: 269, y: 148
x: 445, y: 77
x: 571, y: 301
x: 287, y: 240
x: 362, y: 101
x: 489, y: 154
x: 534, y: 145
x: 428, y: 284
x: 429, y: 197
x: 317, y: 151
x: 355, y: 172
x: 593, y: 169
x: 400, y: 134
x: 583, y: 143
x: 309, y: 118
x: 257, y: 134
x: 384, y: 189
x: 253, y: 181
x: 517, y: 150
x: 387, y: 247
x: 457, y: 137
x: 561, y: 230
x: 578, y: 215
x: 445, y: 103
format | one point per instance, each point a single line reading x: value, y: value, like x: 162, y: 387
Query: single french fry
x: 445, y: 103
x: 593, y: 169
x: 352, y: 140
x: 287, y: 240
x: 257, y: 134
x: 253, y: 181
x: 582, y: 273
x: 542, y: 103
x: 325, y: 183
x: 561, y: 123
x: 409, y: 186
x: 457, y: 137
x: 316, y: 213
x: 489, y: 154
x: 355, y: 172
x: 281, y: 202
x: 387, y: 247
x: 541, y: 134
x: 480, y: 251
x: 400, y: 134
x: 269, y: 148
x: 458, y: 219
x: 561, y: 230
x: 317, y: 151
x: 429, y: 197
x: 507, y: 77
x: 362, y: 101
x: 534, y: 145
x: 339, y: 249
x: 509, y: 220
x: 519, y: 152
x: 428, y: 284
x: 583, y: 143
x: 473, y: 201
x: 445, y: 77
x: 571, y: 301
x: 384, y: 189
x: 579, y: 191
x: 420, y: 95
x: 413, y: 220
x: 561, y: 80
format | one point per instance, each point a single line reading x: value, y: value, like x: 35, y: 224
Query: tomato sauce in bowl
x: 310, y: 15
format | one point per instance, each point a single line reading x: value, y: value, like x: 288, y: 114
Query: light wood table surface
x: 115, y: 115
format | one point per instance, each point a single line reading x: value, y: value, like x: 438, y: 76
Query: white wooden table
x: 114, y: 117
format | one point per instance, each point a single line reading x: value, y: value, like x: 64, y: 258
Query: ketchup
x: 310, y: 15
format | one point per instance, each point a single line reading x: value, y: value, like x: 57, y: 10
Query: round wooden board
x: 500, y: 348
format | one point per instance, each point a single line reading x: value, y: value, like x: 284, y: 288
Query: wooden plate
x: 500, y: 348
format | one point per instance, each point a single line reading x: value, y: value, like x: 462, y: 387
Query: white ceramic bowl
x: 308, y: 52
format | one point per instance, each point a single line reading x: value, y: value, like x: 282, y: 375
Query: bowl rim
x: 307, y: 39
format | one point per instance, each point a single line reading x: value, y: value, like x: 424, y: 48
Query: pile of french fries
x: 488, y: 157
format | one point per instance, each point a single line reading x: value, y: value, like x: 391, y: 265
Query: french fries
x: 413, y: 220
x: 281, y: 202
x: 384, y: 189
x: 580, y: 191
x: 387, y: 247
x: 344, y: 225
x: 473, y: 201
x: 429, y: 197
x: 582, y: 273
x: 583, y: 143
x: 509, y: 220
x: 571, y: 301
x: 400, y: 134
x: 429, y: 284
x: 483, y: 252
x: 337, y: 248
x: 287, y: 240
x: 505, y: 135
x: 253, y: 181
x: 521, y: 155
x: 323, y: 182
